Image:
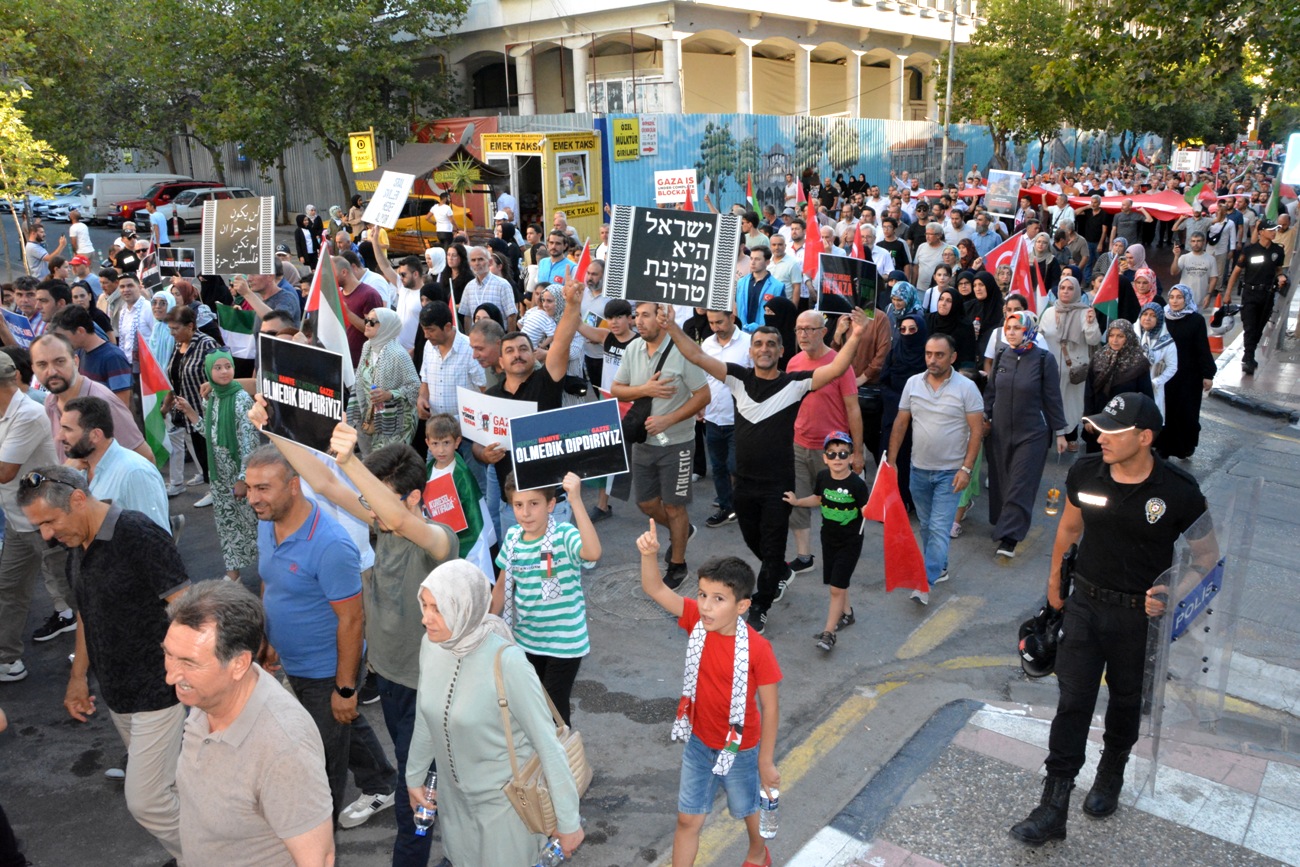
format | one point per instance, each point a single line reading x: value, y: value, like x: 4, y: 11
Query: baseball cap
x: 500, y: 215
x: 8, y: 370
x: 1126, y: 412
x: 788, y: 212
x: 1267, y: 225
x: 837, y: 436
x: 282, y: 248
x: 79, y: 260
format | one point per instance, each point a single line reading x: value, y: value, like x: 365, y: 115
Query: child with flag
x: 442, y: 435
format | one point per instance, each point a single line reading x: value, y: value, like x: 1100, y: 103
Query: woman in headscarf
x: 949, y: 319
x: 1044, y: 269
x: 902, y: 301
x: 906, y: 359
x: 186, y: 372
x: 383, y: 403
x: 1118, y: 367
x: 1159, y: 349
x: 161, y: 343
x: 230, y: 438
x: 354, y: 217
x: 1023, y: 403
x: 965, y: 286
x: 967, y: 254
x: 951, y: 257
x: 985, y: 312
x: 460, y: 725
x: 1117, y: 248
x: 314, y: 223
x: 307, y: 243
x: 337, y: 221
x: 540, y: 321
x: 1069, y: 331
x: 1182, y: 431
x: 488, y: 310
x: 781, y: 315
x: 1142, y: 291
x: 437, y: 259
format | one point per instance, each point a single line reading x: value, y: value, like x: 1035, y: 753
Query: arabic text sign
x: 386, y: 206
x: 672, y: 257
x: 238, y: 237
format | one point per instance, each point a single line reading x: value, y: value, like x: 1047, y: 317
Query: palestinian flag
x: 858, y: 251
x: 325, y: 307
x: 1193, y: 193
x: 749, y: 194
x: 238, y: 330
x: 1107, y: 300
x: 478, y: 537
x: 1274, y: 206
x: 154, y: 389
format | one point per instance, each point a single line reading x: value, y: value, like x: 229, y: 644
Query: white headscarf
x: 464, y: 595
x: 437, y: 258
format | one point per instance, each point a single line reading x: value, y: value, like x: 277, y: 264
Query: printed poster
x: 303, y: 387
x: 586, y: 439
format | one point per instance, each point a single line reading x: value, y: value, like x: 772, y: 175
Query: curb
x: 1255, y: 406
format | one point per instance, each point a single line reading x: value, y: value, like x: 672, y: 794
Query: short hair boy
x: 477, y: 536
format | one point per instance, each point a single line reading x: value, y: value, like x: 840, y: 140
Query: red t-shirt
x: 822, y: 410
x: 713, y: 691
x: 362, y: 300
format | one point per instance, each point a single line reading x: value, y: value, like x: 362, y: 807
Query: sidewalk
x: 973, y: 770
x: 1273, y: 389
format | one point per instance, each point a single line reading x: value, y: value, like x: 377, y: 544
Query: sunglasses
x: 839, y: 456
x: 371, y: 321
x: 35, y: 480
x: 908, y: 330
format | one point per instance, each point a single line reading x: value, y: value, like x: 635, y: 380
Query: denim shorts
x: 699, y: 785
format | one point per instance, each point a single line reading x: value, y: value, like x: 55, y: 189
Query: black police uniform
x: 1259, y: 268
x: 1128, y: 541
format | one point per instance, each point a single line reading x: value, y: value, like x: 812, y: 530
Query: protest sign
x: 672, y: 257
x: 303, y: 387
x: 485, y: 419
x: 671, y: 187
x: 238, y: 236
x: 846, y: 283
x: 1291, y: 167
x: 386, y: 206
x: 586, y: 439
x: 177, y: 262
x: 442, y: 503
x: 150, y: 274
x: 20, y: 327
x: 1003, y: 192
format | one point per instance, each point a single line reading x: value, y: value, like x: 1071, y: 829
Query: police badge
x: 1155, y: 509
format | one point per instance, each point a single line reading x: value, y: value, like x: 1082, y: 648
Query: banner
x: 1003, y: 192
x: 178, y: 262
x: 238, y: 237
x: 485, y: 419
x: 672, y: 257
x: 846, y: 283
x: 671, y: 187
x: 442, y: 503
x: 1291, y: 165
x: 386, y: 206
x: 586, y: 439
x: 20, y: 327
x: 303, y: 386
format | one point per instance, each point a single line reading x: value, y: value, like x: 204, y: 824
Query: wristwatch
x: 965, y: 470
x: 345, y: 691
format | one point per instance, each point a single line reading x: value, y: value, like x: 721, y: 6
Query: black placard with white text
x: 846, y: 283
x: 303, y: 387
x: 238, y: 236
x: 672, y: 257
x: 586, y: 439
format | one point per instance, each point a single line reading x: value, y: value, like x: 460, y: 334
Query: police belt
x: 1110, y: 597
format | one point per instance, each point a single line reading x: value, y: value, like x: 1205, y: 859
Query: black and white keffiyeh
x: 550, y: 584
x: 739, y: 682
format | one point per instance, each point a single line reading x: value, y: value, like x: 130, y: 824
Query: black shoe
x: 757, y: 620
x: 719, y: 518
x: 802, y: 563
x: 369, y: 692
x: 826, y: 641
x: 1249, y: 367
x: 676, y: 574
x: 1103, y: 797
x: 1007, y: 548
x: 782, y: 585
x: 55, y: 626
x: 597, y: 514
x: 1047, y: 821
x: 846, y: 619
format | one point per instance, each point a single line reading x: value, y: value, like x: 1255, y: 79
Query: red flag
x: 1215, y: 168
x: 858, y: 251
x: 687, y: 206
x: 812, y: 244
x: 1003, y: 254
x: 904, y: 564
x: 1020, y: 271
x: 580, y: 272
x: 799, y: 197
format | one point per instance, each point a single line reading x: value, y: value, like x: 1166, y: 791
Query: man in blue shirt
x: 157, y: 225
x: 311, y: 573
x: 557, y: 267
x: 97, y: 359
x: 754, y: 289
x: 116, y: 474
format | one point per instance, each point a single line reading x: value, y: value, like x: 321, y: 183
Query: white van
x: 101, y: 191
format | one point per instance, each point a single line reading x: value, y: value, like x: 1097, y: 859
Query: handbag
x: 635, y: 418
x: 871, y: 399
x: 527, y: 789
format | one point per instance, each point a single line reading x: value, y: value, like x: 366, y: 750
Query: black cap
x: 282, y: 248
x: 1267, y: 225
x: 1126, y: 412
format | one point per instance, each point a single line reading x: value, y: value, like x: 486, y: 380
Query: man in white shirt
x: 882, y: 258
x: 1062, y: 214
x: 730, y: 345
x: 443, y: 220
x: 846, y: 225
x: 791, y: 191
x: 875, y: 201
x: 79, y: 235
x: 486, y: 287
x: 602, y: 249
x: 929, y: 255
x: 958, y: 228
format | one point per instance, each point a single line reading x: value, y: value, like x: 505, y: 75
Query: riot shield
x: 1189, y: 647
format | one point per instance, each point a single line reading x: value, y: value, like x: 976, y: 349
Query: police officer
x: 1258, y: 271
x: 1129, y: 506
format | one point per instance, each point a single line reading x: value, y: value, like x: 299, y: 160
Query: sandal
x: 767, y: 860
x: 826, y: 641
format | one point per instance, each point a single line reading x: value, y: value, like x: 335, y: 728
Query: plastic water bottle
x: 769, y: 817
x: 423, y: 815
x: 552, y: 855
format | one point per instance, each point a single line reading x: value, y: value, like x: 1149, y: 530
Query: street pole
x: 947, y: 99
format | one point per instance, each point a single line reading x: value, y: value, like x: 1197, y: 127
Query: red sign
x: 442, y: 503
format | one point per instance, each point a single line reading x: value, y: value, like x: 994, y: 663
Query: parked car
x: 56, y: 209
x: 62, y: 195
x: 188, y: 205
x: 161, y: 194
x: 101, y: 191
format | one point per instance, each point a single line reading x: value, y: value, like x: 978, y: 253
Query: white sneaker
x: 360, y: 810
x: 204, y: 501
x: 11, y: 672
x: 921, y: 598
x: 196, y: 479
x: 943, y: 576
x: 175, y: 490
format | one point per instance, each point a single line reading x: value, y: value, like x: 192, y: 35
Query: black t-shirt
x: 1091, y: 225
x: 898, y: 249
x: 915, y: 234
x: 765, y: 413
x: 539, y: 387
x: 842, y: 502
x: 127, y: 261
x: 1130, y: 530
x: 121, y: 583
x: 1259, y: 264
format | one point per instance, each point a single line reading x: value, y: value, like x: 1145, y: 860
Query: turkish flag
x: 1003, y: 254
x: 812, y: 245
x: 904, y: 564
x: 584, y: 260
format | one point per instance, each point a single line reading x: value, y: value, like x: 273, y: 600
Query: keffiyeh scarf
x: 739, y: 682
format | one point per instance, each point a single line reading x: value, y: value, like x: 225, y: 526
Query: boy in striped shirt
x: 539, y: 590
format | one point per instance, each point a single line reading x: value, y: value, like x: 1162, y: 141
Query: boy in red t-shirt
x: 728, y: 743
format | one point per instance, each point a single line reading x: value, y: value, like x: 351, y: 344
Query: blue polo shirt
x: 315, y: 566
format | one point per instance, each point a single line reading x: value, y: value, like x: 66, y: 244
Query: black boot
x: 1103, y: 797
x: 1047, y: 821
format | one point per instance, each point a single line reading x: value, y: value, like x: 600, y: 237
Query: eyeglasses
x: 809, y: 329
x: 35, y: 480
x: 838, y: 456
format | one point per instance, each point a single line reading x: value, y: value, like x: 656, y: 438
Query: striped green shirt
x: 550, y: 627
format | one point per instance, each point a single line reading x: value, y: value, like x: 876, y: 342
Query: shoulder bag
x: 635, y: 418
x: 527, y: 789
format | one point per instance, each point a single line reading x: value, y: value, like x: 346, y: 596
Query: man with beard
x: 116, y: 475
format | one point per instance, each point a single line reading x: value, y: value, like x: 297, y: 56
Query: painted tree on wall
x: 749, y: 160
x: 717, y: 157
x: 809, y: 144
x: 845, y: 150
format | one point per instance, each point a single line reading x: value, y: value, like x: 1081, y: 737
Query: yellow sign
x: 578, y: 141
x: 446, y: 176
x: 367, y: 186
x: 510, y: 143
x: 627, y: 139
x: 362, y: 145
x: 586, y: 209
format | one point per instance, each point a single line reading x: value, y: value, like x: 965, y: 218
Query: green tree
x: 28, y: 165
x: 809, y: 144
x: 845, y: 148
x: 749, y: 159
x: 717, y: 157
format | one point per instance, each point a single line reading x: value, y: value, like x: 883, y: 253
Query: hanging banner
x: 238, y: 237
x: 672, y: 257
x: 586, y: 439
x: 303, y: 387
x: 390, y: 195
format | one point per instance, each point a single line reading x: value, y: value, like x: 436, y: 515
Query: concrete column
x: 802, y: 78
x: 673, y: 73
x: 853, y: 84
x: 931, y: 94
x: 896, y: 74
x: 745, y: 77
x: 580, y: 80
x: 524, y: 79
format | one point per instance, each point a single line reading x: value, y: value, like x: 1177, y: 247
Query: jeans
x: 936, y: 507
x: 720, y: 440
x: 764, y: 519
x: 153, y: 747
x: 399, y: 706
x: 346, y: 746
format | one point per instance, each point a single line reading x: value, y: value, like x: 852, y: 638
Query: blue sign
x: 1197, y: 600
x: 20, y: 327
